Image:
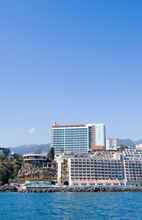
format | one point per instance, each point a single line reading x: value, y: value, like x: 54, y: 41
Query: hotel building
x: 103, y: 168
x: 133, y: 166
x: 78, y: 138
x: 96, y: 170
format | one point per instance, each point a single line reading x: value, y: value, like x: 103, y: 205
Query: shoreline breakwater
x: 9, y: 188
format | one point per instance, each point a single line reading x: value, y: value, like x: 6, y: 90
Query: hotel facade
x: 78, y: 138
x: 104, y: 168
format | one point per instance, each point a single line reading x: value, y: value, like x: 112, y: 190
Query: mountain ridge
x: 30, y: 148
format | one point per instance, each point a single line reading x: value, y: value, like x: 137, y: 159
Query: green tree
x: 51, y: 154
x: 9, y: 168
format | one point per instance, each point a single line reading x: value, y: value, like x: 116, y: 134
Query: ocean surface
x: 74, y: 206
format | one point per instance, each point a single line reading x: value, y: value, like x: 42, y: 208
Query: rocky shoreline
x: 14, y: 188
x: 85, y: 189
x: 8, y: 188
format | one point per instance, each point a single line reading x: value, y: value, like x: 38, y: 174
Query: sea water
x: 71, y: 206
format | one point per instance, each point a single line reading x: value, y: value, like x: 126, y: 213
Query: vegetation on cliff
x: 9, y: 166
x: 13, y: 168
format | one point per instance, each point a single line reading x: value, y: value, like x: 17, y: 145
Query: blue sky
x: 69, y: 61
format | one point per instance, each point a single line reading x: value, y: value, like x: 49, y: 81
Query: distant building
x: 78, y: 138
x: 39, y: 160
x: 139, y: 146
x: 112, y: 143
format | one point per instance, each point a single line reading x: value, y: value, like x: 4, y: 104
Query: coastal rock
x: 8, y: 188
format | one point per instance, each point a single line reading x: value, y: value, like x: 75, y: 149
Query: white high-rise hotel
x: 78, y: 138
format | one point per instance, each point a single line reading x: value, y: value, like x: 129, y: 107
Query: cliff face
x: 30, y: 172
x: 8, y: 188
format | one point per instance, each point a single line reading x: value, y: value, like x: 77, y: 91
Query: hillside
x: 127, y: 141
x: 34, y: 148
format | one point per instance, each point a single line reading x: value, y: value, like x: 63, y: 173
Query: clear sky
x: 69, y: 61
